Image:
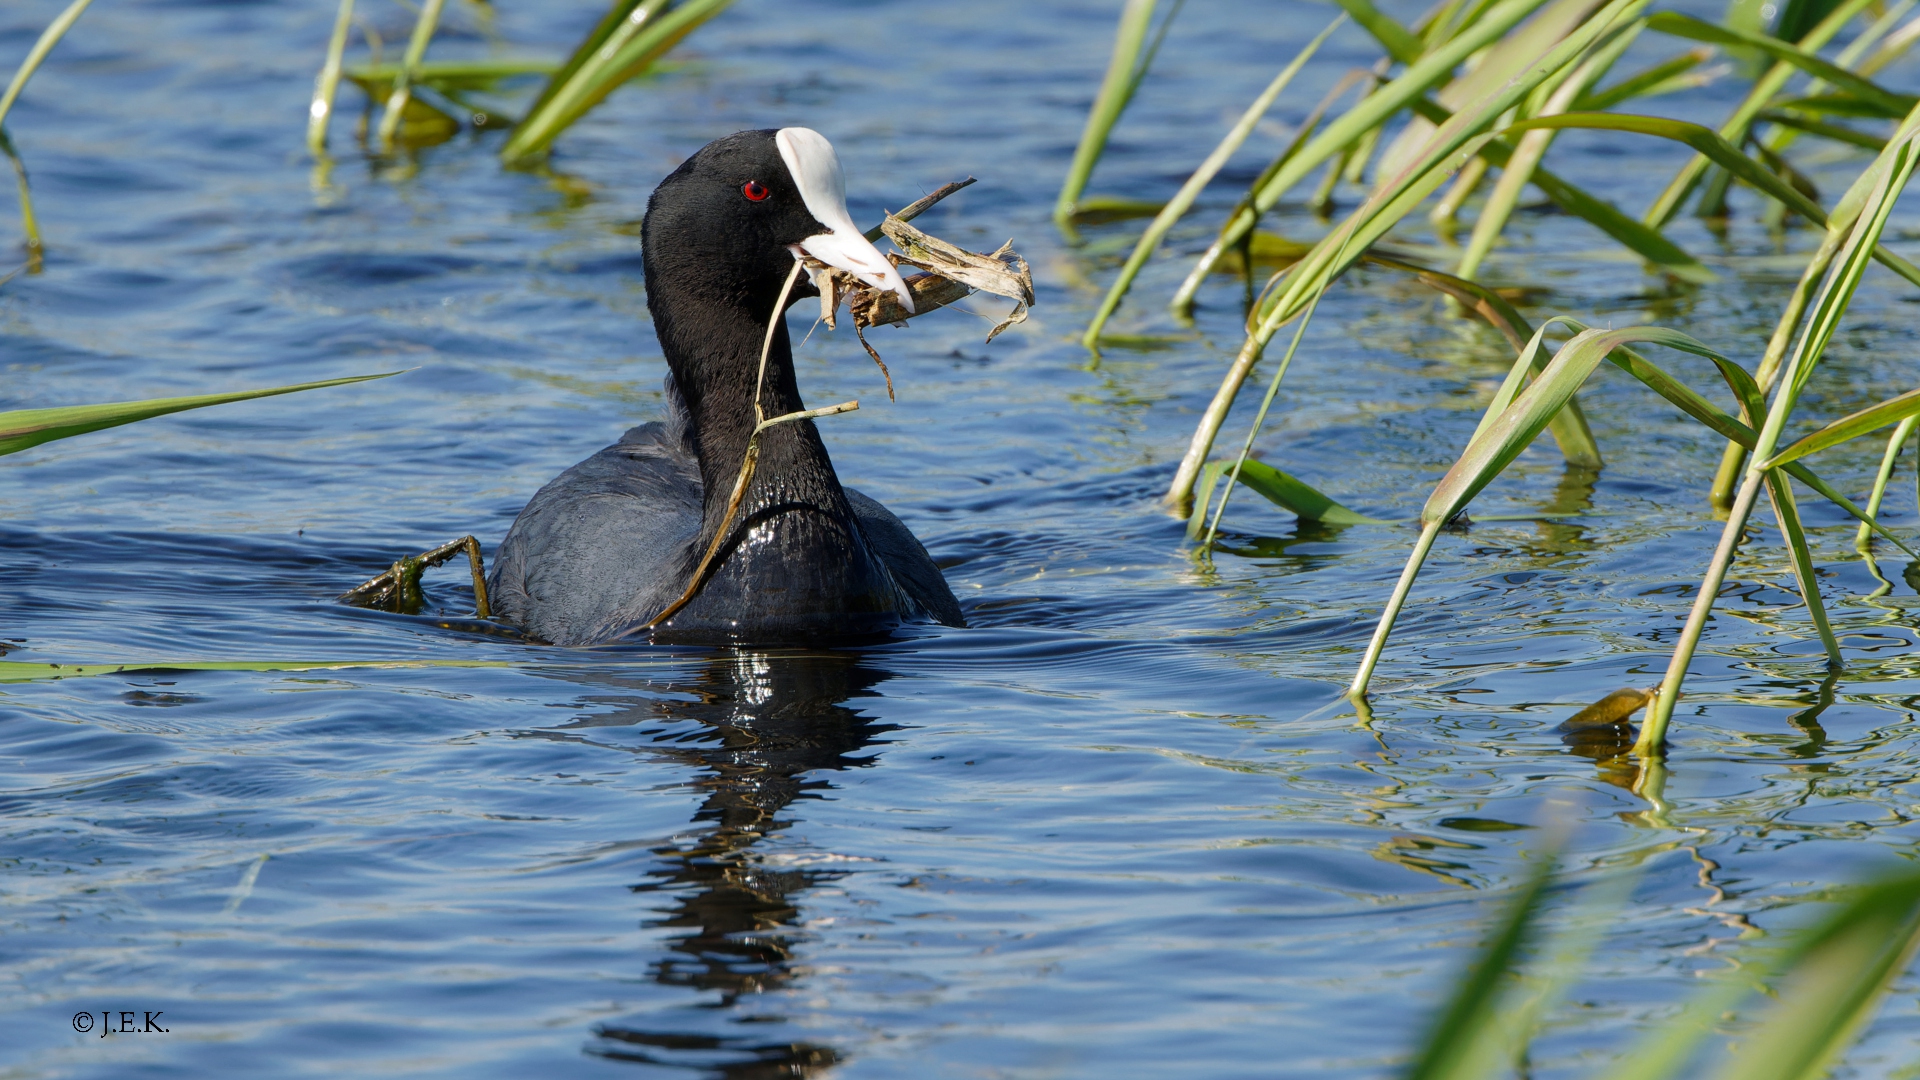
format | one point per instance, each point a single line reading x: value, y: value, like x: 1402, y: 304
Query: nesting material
x: 950, y: 273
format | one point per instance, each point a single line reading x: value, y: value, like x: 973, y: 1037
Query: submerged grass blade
x: 27, y: 428
x: 1299, y: 497
x: 1788, y: 515
x: 616, y: 51
x: 13, y: 671
x: 1183, y: 200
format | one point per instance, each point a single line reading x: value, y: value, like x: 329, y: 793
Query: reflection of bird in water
x: 772, y: 719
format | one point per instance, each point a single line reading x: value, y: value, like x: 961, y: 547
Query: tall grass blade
x: 23, y: 429
x: 616, y: 51
x: 1686, y: 26
x: 396, y: 107
x: 1721, y: 153
x: 1183, y: 200
x: 1116, y: 91
x: 1667, y: 203
x: 49, y: 37
x: 1852, y: 426
x: 1522, y: 164
x: 1787, y: 513
x: 1497, y: 444
x: 1371, y: 111
x: 1399, y: 42
x: 1662, y: 78
x: 327, y: 84
x: 1450, y: 145
x: 1830, y: 984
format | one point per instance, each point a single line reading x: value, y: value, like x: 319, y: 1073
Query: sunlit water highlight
x: 1118, y: 828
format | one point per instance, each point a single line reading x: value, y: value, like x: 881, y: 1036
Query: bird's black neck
x: 715, y: 360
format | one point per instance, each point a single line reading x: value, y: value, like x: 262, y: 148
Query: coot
x: 609, y: 544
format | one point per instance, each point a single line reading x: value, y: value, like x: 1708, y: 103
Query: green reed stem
x: 29, y: 225
x: 1525, y: 160
x: 402, y: 91
x: 57, y: 29
x: 1735, y: 129
x: 1371, y: 111
x: 1894, y: 167
x: 327, y: 83
x: 1116, y: 91
x: 1183, y: 200
x: 1887, y: 461
x: 1787, y: 513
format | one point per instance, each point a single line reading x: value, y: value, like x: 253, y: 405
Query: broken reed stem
x: 919, y: 206
x: 402, y: 91
x: 752, y: 457
x: 327, y: 84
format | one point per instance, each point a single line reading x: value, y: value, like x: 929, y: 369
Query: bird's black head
x: 725, y: 227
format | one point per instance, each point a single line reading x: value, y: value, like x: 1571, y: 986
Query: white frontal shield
x: 815, y: 169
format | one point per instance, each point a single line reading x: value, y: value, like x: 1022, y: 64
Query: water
x: 1119, y: 827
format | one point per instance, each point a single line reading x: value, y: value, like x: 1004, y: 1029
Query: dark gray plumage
x: 610, y: 543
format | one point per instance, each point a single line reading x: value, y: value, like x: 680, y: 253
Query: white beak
x: 816, y: 172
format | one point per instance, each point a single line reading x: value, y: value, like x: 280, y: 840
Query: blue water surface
x: 1122, y: 826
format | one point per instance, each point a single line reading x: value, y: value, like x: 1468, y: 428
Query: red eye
x: 754, y: 190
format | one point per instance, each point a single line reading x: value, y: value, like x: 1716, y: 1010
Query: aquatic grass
x: 623, y: 45
x: 49, y: 37
x: 1894, y: 167
x: 1183, y: 200
x: 1824, y: 983
x: 23, y: 429
x: 1132, y: 57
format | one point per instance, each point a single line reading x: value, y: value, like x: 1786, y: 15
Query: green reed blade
x: 1836, y: 132
x: 1837, y: 105
x: 1851, y: 426
x: 327, y: 84
x: 1393, y: 200
x: 599, y: 66
x: 1299, y: 498
x: 1399, y: 42
x: 1720, y: 152
x: 1667, y: 203
x: 625, y: 17
x: 1829, y: 977
x: 447, y: 76
x: 49, y: 37
x: 1461, y: 1044
x: 1887, y: 461
x: 1183, y: 200
x: 396, y: 107
x: 26, y: 428
x: 1116, y: 92
x: 1370, y: 112
x: 1787, y: 513
x: 1524, y: 162
x: 1894, y: 167
x: 57, y: 29
x: 1686, y: 26
x: 1663, y: 77
x: 1830, y: 983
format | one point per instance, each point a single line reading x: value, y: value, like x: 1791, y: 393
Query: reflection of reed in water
x: 771, y: 720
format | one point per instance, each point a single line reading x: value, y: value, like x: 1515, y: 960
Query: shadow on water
x: 767, y: 722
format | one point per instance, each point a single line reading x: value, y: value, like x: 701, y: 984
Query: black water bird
x: 609, y: 544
